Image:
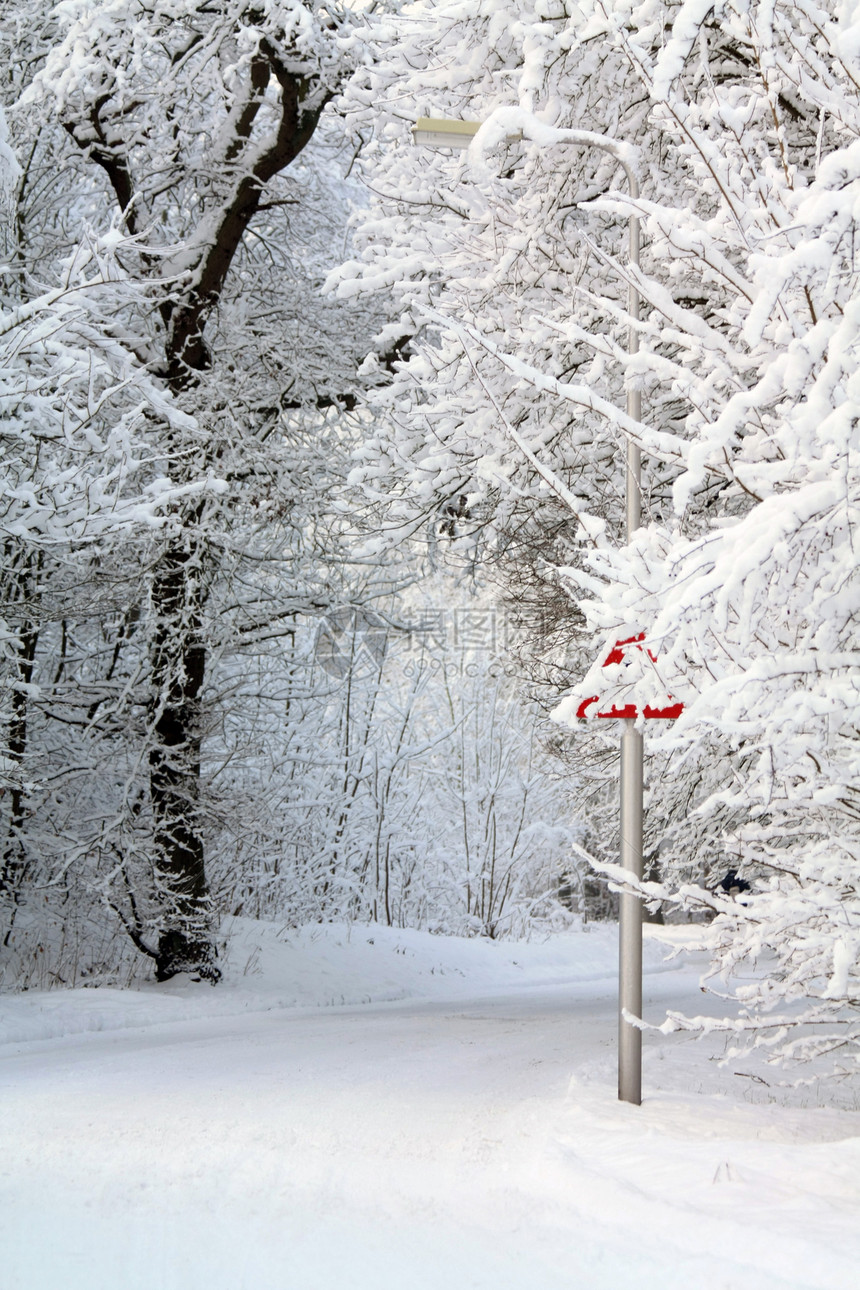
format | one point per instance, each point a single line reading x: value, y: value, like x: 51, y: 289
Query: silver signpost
x: 630, y: 919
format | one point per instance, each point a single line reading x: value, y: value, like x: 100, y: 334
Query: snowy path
x: 433, y: 1144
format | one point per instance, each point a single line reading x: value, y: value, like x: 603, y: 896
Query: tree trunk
x: 14, y: 863
x: 178, y: 663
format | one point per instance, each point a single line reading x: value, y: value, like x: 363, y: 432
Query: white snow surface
x: 359, y: 1108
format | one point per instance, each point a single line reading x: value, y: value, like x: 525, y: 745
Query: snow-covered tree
x: 177, y: 120
x: 742, y: 121
x: 77, y: 475
x: 756, y: 596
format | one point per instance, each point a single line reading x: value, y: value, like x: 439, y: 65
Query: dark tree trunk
x: 13, y: 869
x: 178, y: 661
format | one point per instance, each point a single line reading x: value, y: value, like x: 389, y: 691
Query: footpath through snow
x: 365, y: 1109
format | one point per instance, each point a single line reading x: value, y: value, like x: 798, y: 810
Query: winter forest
x: 313, y: 448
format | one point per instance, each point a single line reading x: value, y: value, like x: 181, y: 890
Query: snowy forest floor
x: 368, y: 1108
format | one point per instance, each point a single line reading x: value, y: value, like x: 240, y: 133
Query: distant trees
x: 509, y: 263
x: 409, y: 786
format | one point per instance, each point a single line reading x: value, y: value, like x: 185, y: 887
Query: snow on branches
x: 509, y: 265
x: 191, y: 110
x: 77, y: 412
x: 755, y: 595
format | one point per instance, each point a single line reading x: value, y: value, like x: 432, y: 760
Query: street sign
x: 619, y: 653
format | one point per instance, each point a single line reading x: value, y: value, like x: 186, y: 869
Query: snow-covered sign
x: 621, y: 655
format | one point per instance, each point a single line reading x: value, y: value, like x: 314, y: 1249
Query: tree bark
x: 178, y: 662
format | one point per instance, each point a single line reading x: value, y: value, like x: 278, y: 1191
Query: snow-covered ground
x: 367, y: 1109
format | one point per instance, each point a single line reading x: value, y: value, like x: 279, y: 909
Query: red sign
x: 629, y: 711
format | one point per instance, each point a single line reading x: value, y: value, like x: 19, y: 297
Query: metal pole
x: 632, y: 758
x: 630, y: 920
x: 634, y: 397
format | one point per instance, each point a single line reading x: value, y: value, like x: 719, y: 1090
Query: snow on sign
x: 620, y: 653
